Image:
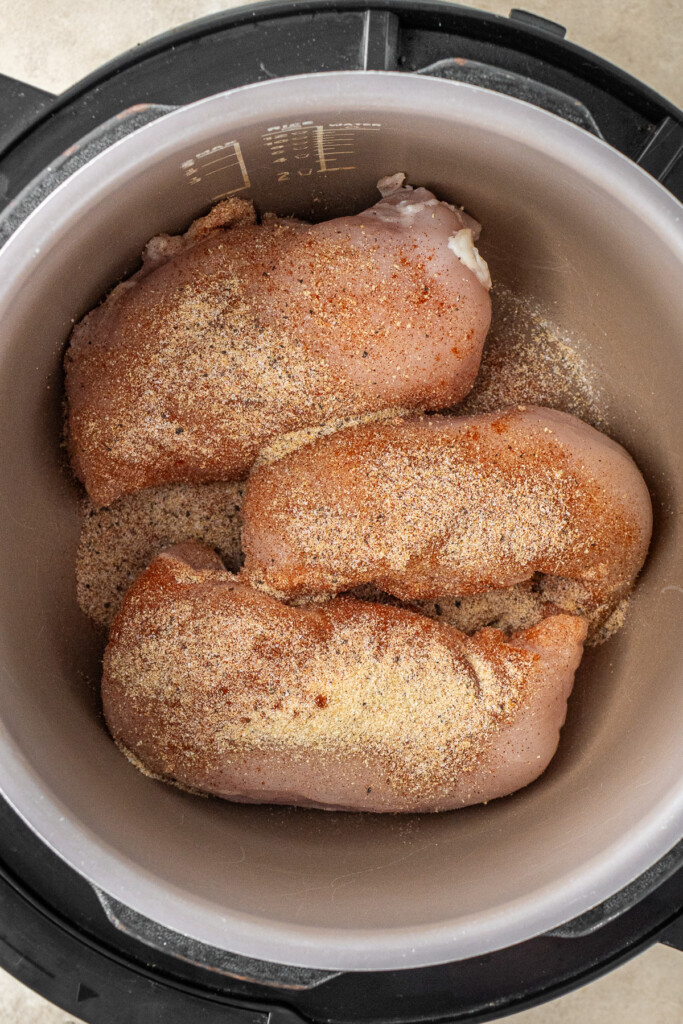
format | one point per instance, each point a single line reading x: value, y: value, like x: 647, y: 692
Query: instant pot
x: 127, y: 901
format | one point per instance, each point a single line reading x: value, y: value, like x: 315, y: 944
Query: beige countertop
x: 53, y: 43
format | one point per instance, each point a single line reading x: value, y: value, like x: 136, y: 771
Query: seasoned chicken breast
x: 349, y: 705
x: 439, y: 505
x: 238, y: 332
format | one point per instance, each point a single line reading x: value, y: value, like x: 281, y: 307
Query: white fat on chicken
x: 401, y: 203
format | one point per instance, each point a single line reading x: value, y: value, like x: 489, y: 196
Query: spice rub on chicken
x: 437, y: 505
x: 348, y: 705
x: 237, y: 332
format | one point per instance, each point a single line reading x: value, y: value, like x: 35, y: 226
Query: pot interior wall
x: 306, y: 886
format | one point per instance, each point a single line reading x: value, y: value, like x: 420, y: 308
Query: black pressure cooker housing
x: 115, y: 966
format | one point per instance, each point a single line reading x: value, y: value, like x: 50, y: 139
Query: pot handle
x: 510, y: 83
x: 20, y: 103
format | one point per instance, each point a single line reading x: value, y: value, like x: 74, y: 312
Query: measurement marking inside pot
x: 225, y: 167
x: 305, y: 148
x: 219, y: 159
x: 321, y: 148
x: 229, y: 162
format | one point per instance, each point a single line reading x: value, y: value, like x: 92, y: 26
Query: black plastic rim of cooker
x: 116, y: 967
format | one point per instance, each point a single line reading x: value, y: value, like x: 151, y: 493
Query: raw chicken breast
x: 238, y: 332
x: 347, y: 705
x: 439, y: 505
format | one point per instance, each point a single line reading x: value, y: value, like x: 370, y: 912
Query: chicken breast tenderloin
x: 238, y: 332
x: 439, y: 505
x: 349, y: 705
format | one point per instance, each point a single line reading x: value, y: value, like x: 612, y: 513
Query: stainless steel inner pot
x: 567, y: 221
